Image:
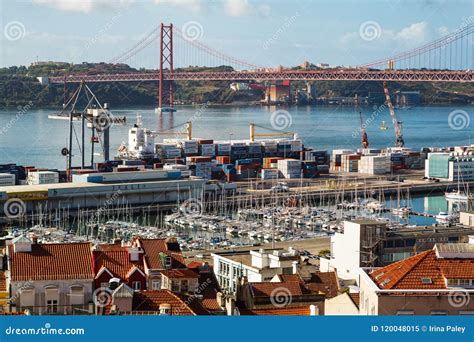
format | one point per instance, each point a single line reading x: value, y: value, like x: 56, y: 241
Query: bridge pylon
x: 166, y: 62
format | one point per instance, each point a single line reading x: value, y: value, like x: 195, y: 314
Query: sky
x: 264, y: 33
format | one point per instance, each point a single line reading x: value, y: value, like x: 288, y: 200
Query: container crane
x: 363, y: 132
x: 397, y: 125
x: 268, y: 135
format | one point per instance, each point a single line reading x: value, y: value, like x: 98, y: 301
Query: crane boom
x: 400, y: 142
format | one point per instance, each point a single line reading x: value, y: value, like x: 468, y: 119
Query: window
x: 155, y: 284
x: 168, y: 262
x: 106, y: 285
x: 174, y: 286
x: 438, y: 313
x: 426, y: 281
x: 184, y: 286
x: 466, y: 312
x: 52, y: 306
x: 405, y: 313
x: 136, y: 285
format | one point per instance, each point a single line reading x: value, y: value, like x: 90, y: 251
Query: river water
x: 28, y: 137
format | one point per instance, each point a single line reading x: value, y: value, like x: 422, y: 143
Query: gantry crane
x: 397, y: 125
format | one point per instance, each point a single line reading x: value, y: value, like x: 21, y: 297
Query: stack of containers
x: 350, y: 162
x: 398, y: 161
x: 375, y: 165
x: 229, y: 171
x: 43, y: 177
x: 239, y: 150
x: 202, y: 166
x: 7, y: 179
x: 223, y: 159
x: 223, y: 149
x: 284, y: 148
x: 320, y: 157
x: 190, y: 147
x: 415, y: 160
x: 310, y: 169
x: 17, y: 170
x: 167, y: 151
x: 254, y: 149
x: 208, y: 150
x: 217, y: 172
x: 290, y: 168
x: 337, y: 157
x: 270, y: 174
x: 271, y: 163
x: 270, y: 148
x: 246, y: 168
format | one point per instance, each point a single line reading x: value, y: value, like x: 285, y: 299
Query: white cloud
x: 415, y: 33
x: 193, y: 5
x: 239, y: 8
x: 84, y: 6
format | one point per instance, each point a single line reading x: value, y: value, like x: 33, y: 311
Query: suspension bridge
x: 447, y: 59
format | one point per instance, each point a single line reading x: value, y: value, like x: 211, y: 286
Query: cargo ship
x: 271, y: 158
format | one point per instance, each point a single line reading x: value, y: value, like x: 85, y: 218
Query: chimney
x: 313, y: 310
x: 220, y: 297
x: 230, y: 305
x: 294, y: 264
x: 34, y: 239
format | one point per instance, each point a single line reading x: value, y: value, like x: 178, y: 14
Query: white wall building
x: 257, y: 266
x: 354, y: 247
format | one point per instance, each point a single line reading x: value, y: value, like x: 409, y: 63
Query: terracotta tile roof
x: 52, y: 261
x: 355, y: 297
x: 323, y: 282
x: 268, y: 289
x: 180, y: 305
x: 116, y: 259
x: 290, y: 277
x: 173, y: 274
x: 408, y: 273
x: 155, y: 248
x: 285, y: 311
x: 3, y: 282
x: 198, y: 264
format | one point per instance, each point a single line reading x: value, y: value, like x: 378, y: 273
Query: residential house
x: 435, y: 282
x: 119, y: 262
x: 50, y: 278
x: 159, y: 255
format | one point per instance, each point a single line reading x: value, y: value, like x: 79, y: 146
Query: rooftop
x: 425, y: 270
x: 156, y: 249
x: 116, y: 259
x: 52, y: 261
x: 180, y: 305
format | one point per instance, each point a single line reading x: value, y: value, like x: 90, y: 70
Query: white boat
x: 444, y: 217
x: 457, y: 195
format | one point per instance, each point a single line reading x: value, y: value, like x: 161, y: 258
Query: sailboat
x: 459, y: 195
x: 383, y: 127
